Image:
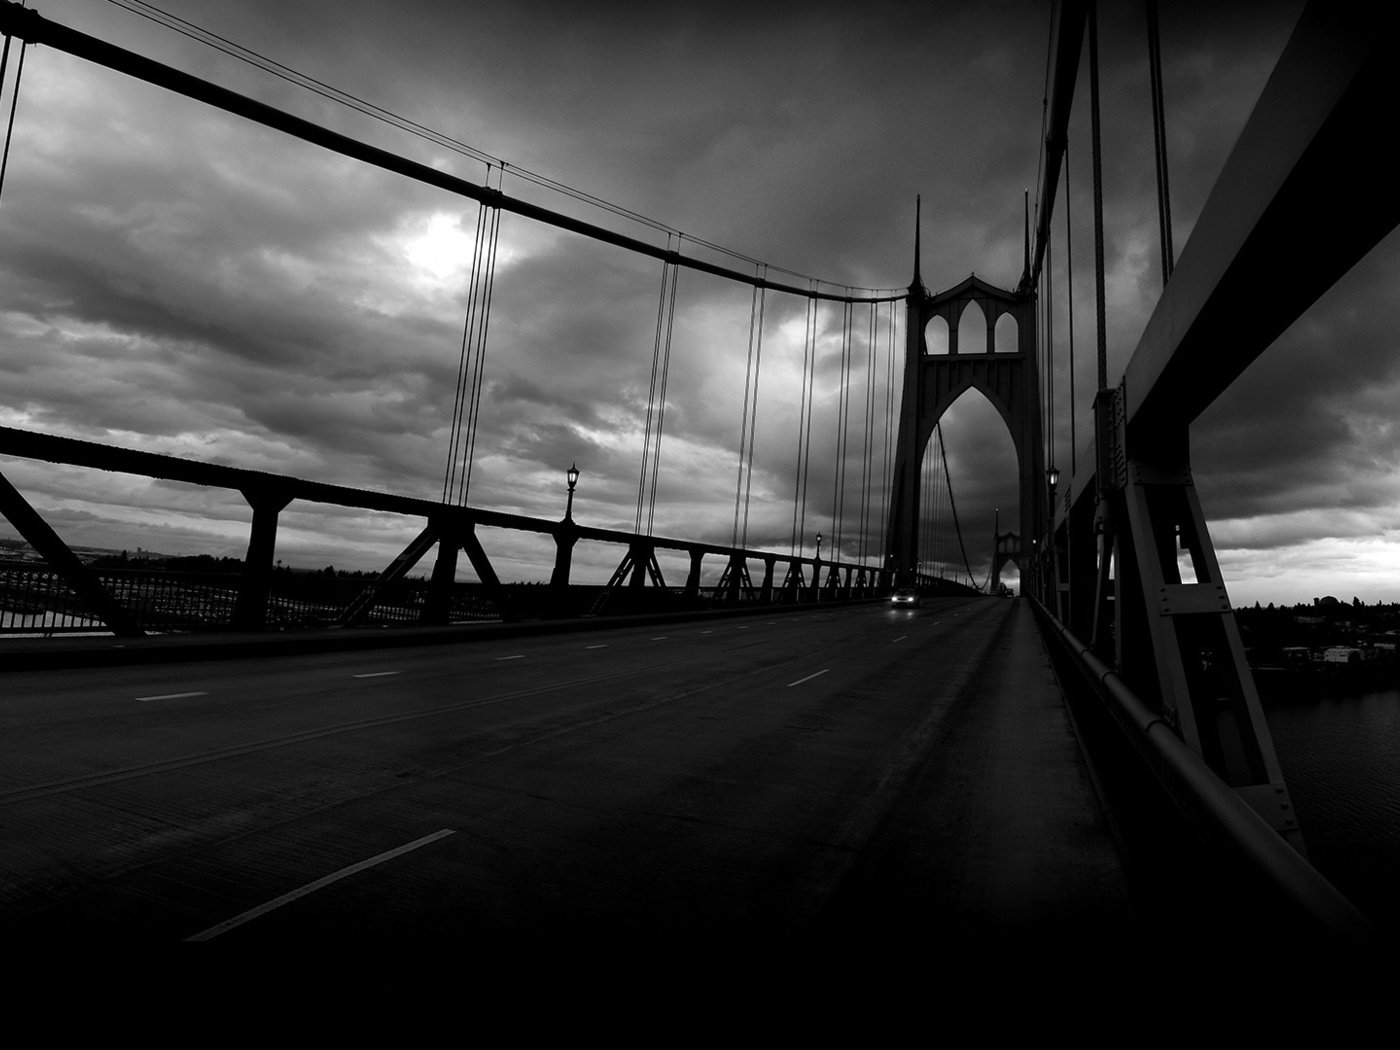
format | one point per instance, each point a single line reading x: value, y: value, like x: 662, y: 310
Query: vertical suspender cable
x: 887, y: 479
x: 1099, y: 295
x: 1049, y: 350
x: 866, y: 472
x: 663, y: 298
x: 804, y: 428
x: 14, y: 104
x: 843, y: 414
x: 1159, y: 136
x: 459, y: 401
x: 753, y: 416
x: 661, y: 395
x: 1069, y: 298
x: 479, y: 369
x: 661, y: 398
x: 953, y: 511
x: 748, y: 430
x: 928, y: 507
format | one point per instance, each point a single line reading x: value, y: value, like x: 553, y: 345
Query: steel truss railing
x: 451, y: 529
x: 1225, y: 820
x: 1127, y: 561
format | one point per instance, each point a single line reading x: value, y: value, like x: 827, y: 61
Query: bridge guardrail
x: 1212, y: 806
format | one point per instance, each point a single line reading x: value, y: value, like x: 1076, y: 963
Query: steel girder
x: 1144, y: 581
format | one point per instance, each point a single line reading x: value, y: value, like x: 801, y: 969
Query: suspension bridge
x: 764, y: 749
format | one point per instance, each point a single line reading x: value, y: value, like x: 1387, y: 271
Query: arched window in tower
x: 972, y: 331
x: 1006, y: 335
x: 936, y: 336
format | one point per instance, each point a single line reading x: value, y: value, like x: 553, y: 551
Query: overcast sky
x: 184, y: 282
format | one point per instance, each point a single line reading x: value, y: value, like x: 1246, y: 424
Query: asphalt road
x: 864, y: 771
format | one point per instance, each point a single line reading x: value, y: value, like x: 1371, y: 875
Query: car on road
x: 905, y: 596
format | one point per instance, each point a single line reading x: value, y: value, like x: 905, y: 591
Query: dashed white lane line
x: 660, y: 638
x: 818, y: 674
x: 517, y: 656
x: 603, y: 646
x: 312, y: 887
x: 707, y: 632
x: 900, y: 638
x: 376, y: 674
x: 168, y: 696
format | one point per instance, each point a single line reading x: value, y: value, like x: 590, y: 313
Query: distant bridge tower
x: 1006, y: 546
x: 932, y: 382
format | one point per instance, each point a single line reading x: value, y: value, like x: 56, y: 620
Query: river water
x: 1340, y: 752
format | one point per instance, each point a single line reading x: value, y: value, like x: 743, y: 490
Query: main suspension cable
x: 953, y: 509
x: 1099, y: 294
x: 284, y: 72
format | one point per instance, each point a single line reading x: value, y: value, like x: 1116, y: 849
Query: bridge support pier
x: 692, y: 580
x: 250, y: 610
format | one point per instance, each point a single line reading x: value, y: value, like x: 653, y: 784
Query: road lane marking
x: 312, y: 887
x: 376, y: 674
x: 900, y: 638
x: 517, y: 656
x: 168, y: 696
x: 707, y: 632
x: 659, y: 638
x: 603, y: 646
x: 818, y: 674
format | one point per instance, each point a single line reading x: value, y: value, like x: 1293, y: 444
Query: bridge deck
x: 856, y: 773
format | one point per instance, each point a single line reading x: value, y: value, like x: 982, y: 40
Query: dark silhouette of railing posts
x: 267, y: 503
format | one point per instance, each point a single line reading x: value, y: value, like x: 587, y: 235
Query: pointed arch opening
x: 972, y: 330
x: 936, y: 337
x: 1007, y: 335
x: 983, y: 473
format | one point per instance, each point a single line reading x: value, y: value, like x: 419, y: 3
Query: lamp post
x: 565, y: 536
x: 817, y: 571
x: 572, y: 475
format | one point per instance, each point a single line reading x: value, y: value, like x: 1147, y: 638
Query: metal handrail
x: 1236, y: 825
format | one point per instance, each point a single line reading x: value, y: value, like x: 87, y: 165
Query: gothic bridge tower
x: 932, y: 382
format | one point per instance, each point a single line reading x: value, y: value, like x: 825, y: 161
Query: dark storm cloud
x: 187, y: 283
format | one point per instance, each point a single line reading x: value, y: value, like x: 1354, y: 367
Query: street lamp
x: 819, y: 548
x: 572, y: 475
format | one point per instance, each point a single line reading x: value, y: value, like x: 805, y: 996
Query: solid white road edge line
x: 312, y: 887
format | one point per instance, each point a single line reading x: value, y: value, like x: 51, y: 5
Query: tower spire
x: 917, y: 284
x: 1026, y: 273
